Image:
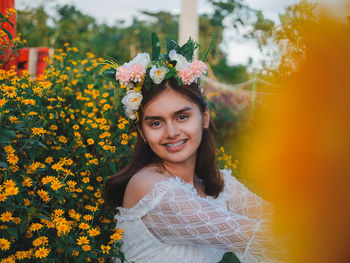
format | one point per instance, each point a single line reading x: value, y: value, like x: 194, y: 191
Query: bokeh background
x: 277, y: 87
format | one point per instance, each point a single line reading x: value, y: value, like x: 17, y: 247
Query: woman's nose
x: 172, y: 130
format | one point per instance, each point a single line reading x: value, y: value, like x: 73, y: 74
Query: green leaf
x: 7, y: 33
x: 13, y: 231
x: 9, y: 133
x: 4, y: 165
x: 155, y: 46
x: 148, y: 79
x: 229, y: 257
x: 171, y: 44
x: 211, y: 45
x: 187, y: 50
x: 113, y: 167
x: 5, y: 140
x: 109, y: 73
x: 1, y: 16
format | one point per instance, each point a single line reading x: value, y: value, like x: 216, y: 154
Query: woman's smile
x: 175, y: 147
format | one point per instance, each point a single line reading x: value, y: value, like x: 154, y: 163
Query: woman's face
x: 172, y: 125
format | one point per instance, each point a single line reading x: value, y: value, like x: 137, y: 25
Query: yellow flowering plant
x: 60, y: 139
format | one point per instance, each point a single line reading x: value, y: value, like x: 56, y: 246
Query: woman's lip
x: 177, y: 148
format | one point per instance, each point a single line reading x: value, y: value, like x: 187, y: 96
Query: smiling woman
x: 172, y: 201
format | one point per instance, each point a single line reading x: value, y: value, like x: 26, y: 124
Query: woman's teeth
x: 176, y: 144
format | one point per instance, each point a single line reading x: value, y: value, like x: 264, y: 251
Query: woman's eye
x: 183, y: 117
x: 155, y: 124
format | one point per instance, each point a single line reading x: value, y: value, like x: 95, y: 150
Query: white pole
x: 188, y: 24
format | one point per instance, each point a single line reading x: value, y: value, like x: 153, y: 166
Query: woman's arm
x: 182, y: 217
x: 244, y: 202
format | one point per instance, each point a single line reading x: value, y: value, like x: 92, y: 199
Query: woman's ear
x: 206, y: 119
x: 141, y: 133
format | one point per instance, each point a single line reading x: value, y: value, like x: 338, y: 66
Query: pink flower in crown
x: 198, y: 68
x: 123, y: 74
x: 137, y: 72
x: 186, y: 75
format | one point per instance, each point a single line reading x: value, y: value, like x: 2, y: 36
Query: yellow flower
x: 44, y: 195
x: 27, y: 182
x: 58, y: 166
x: 93, y: 232
x: 40, y: 241
x: 6, y: 216
x: 11, y: 191
x: 124, y: 142
x: 16, y: 220
x: 84, y: 226
x: 48, y: 179
x: 83, y: 240
x: 55, y: 185
x: 90, y: 141
x: 26, y: 202
x: 121, y: 126
x: 86, y: 180
x: 12, y: 159
x: 88, y: 217
x: 3, y: 197
x: 105, y: 249
x: 13, y: 119
x: 38, y: 131
x: 2, y: 102
x: 75, y: 253
x: 99, y: 178
x: 62, y: 139
x: 75, y: 127
x: 4, y: 244
x: 35, y: 227
x: 86, y: 247
x: 42, y: 252
x: 58, y: 212
x: 32, y: 113
x: 49, y: 160
x: 10, y: 259
x: 21, y: 255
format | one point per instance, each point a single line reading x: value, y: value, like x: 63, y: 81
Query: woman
x: 172, y: 201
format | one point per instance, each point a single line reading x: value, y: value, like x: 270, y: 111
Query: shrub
x: 60, y: 140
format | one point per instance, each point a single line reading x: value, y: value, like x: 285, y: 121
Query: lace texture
x: 236, y: 221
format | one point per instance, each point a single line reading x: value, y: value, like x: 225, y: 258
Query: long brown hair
x: 143, y: 155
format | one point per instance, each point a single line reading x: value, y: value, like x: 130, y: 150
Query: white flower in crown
x: 132, y: 100
x: 181, y: 61
x: 141, y: 58
x: 158, y: 74
x: 130, y: 113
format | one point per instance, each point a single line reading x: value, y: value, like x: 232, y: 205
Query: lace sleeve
x: 183, y: 217
x: 244, y: 202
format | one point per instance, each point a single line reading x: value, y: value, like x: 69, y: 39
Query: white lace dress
x: 172, y: 223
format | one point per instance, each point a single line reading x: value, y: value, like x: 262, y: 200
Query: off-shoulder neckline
x: 177, y: 179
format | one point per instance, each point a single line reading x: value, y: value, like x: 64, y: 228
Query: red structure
x: 31, y: 59
x: 9, y: 56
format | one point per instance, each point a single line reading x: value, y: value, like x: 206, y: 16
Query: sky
x: 109, y: 11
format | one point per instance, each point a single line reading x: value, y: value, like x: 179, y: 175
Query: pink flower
x: 137, y: 72
x: 123, y: 74
x: 186, y: 76
x: 198, y: 68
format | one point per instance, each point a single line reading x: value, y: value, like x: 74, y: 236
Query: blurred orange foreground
x: 302, y: 157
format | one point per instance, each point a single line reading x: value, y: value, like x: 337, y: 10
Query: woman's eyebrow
x: 182, y: 110
x: 175, y: 113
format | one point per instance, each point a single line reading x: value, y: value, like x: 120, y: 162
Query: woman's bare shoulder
x: 140, y: 184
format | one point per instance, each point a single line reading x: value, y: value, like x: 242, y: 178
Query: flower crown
x: 177, y: 62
